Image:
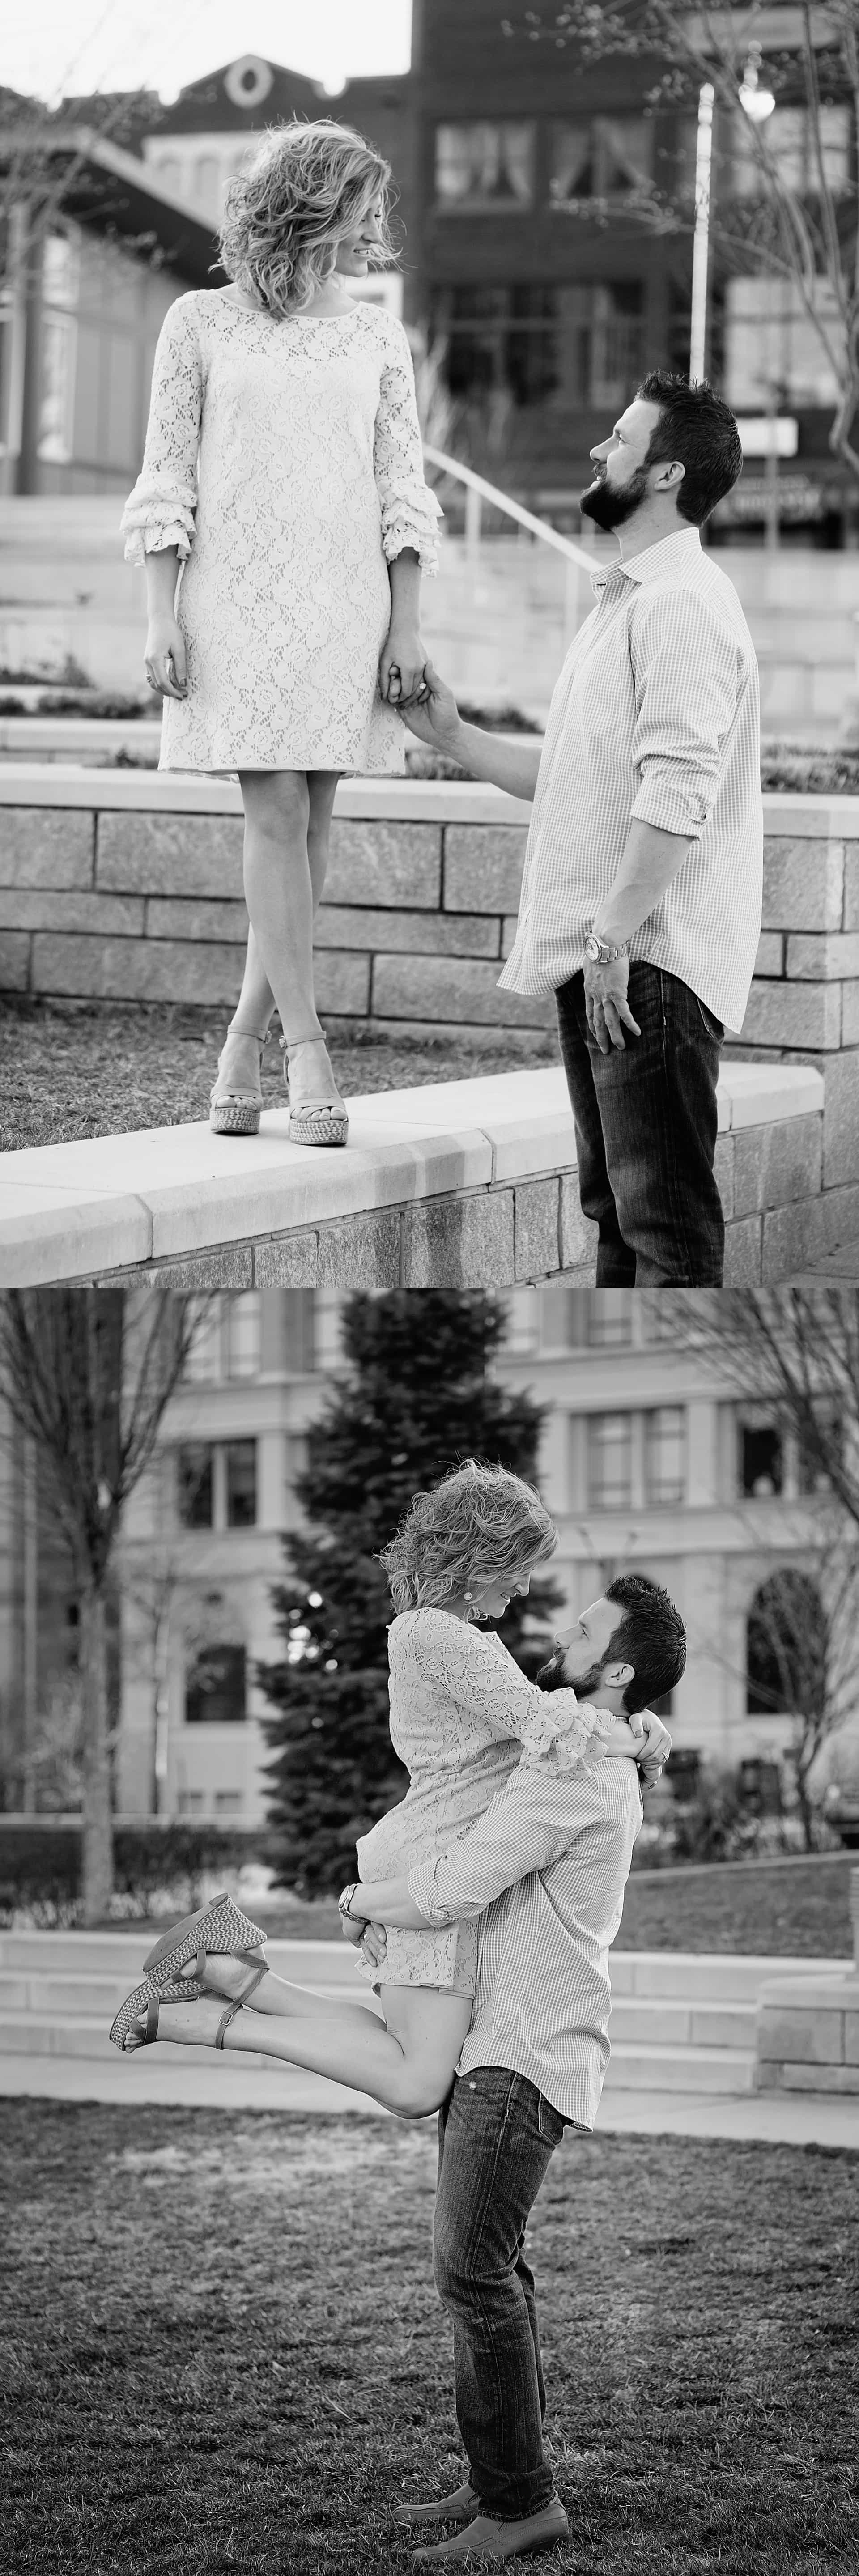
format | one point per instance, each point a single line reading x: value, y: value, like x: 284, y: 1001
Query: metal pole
x: 701, y: 247
x: 771, y: 475
x: 473, y: 509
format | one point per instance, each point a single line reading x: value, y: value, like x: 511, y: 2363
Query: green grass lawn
x: 784, y: 1909
x: 67, y: 1072
x: 223, y: 2348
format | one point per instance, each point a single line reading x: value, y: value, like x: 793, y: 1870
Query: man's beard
x: 552, y: 1676
x: 610, y: 506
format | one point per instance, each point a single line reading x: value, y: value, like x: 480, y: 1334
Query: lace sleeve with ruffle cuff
x: 152, y: 521
x: 410, y: 516
x: 422, y: 1888
x: 563, y: 1739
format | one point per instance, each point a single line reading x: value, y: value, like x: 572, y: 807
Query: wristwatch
x: 600, y: 952
x: 344, y: 1904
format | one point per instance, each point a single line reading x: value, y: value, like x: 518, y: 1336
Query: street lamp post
x: 757, y: 103
x: 701, y: 244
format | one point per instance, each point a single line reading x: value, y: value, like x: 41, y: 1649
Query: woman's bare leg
x: 256, y: 999
x: 408, y: 2066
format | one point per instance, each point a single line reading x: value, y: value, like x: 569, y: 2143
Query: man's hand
x: 375, y: 1943
x: 435, y: 717
x: 606, y: 1003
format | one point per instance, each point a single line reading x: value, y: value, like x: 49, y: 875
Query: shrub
x: 40, y: 1861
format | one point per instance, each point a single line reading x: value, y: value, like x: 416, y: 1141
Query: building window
x: 610, y: 1319
x: 786, y: 1647
x: 57, y: 402
x: 761, y: 1466
x: 206, y: 182
x: 568, y: 346
x: 195, y: 1484
x: 484, y: 167
x: 605, y: 156
x: 203, y: 1358
x: 241, y: 1467
x: 665, y: 1455
x: 170, y: 173
x: 609, y: 1461
x: 242, y: 1333
x: 789, y: 143
x: 215, y: 1688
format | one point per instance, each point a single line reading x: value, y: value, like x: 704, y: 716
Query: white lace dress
x: 283, y: 458
x: 462, y: 1717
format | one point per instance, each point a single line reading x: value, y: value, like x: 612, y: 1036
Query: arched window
x: 786, y: 1646
x: 215, y: 1687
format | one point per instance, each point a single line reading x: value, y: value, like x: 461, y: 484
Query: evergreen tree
x: 416, y: 1400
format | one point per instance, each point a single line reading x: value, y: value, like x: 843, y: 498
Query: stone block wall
x: 131, y: 889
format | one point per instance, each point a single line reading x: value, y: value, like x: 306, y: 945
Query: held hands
x: 401, y: 666
x: 606, y: 1003
x: 369, y: 1938
x: 166, y: 666
x: 433, y: 714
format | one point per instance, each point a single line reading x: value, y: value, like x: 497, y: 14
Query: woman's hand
x: 435, y: 716
x: 166, y: 664
x: 644, y: 1737
x: 401, y: 668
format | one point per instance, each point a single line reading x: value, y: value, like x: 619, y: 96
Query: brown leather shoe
x: 461, y: 2506
x: 485, y: 2538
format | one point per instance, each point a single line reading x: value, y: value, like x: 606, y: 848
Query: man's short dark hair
x: 696, y: 429
x: 650, y: 1636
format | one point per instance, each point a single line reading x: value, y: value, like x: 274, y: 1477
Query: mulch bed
x: 68, y: 1072
x: 223, y: 2348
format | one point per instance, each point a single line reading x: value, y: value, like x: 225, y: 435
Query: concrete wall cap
x: 431, y: 800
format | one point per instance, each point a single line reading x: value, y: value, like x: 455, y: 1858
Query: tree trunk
x: 805, y: 1807
x: 97, y: 1858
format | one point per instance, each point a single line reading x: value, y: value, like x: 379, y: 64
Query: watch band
x: 600, y: 950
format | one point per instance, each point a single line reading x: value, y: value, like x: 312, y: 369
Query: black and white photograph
x: 429, y: 1286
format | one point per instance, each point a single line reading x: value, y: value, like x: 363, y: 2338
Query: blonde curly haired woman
x: 463, y: 1716
x: 283, y: 481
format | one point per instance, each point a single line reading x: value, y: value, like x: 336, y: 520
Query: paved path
x: 820, y: 2119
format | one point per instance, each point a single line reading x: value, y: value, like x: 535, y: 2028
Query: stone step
x: 640, y: 2068
x: 80, y: 2035
x: 30, y: 1991
x: 72, y: 2003
x: 719, y: 1977
x: 635, y: 2065
x: 664, y: 2024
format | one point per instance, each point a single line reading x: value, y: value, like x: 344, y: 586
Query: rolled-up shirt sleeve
x: 533, y: 1819
x: 687, y: 674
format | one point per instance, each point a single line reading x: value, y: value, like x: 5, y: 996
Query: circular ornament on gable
x: 248, y: 81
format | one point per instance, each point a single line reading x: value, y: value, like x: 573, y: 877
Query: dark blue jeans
x: 646, y: 1131
x: 496, y: 2137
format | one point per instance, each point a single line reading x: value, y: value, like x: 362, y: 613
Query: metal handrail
x: 514, y: 510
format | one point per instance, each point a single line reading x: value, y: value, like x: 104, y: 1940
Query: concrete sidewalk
x: 796, y: 2120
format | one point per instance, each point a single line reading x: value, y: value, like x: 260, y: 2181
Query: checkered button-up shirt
x: 656, y: 716
x: 545, y: 1868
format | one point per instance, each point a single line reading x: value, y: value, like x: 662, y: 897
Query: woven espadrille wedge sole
x: 137, y: 2019
x: 220, y: 1930
x: 233, y: 1112
x: 317, y: 1119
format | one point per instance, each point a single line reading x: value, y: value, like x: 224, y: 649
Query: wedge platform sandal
x: 235, y: 1106
x: 219, y: 1930
x: 317, y: 1115
x: 136, y: 2023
